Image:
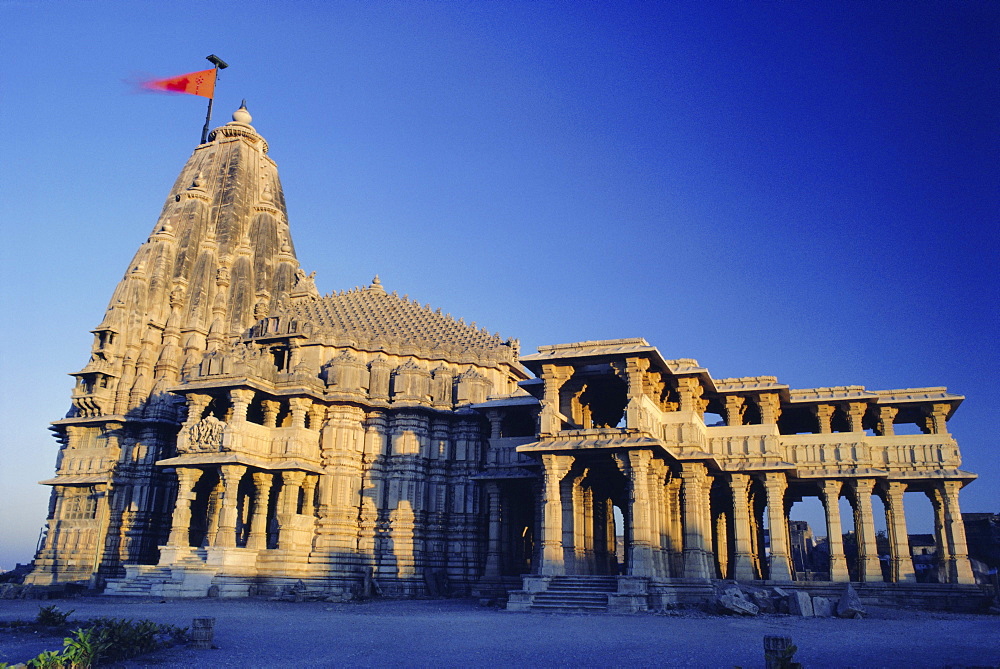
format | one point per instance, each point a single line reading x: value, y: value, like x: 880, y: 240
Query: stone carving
x: 206, y: 435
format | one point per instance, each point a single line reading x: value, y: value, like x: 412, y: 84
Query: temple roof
x: 370, y: 313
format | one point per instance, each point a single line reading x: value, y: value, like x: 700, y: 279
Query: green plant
x: 51, y: 616
x: 83, y: 651
x: 50, y: 659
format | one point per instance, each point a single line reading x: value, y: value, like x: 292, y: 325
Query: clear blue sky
x: 804, y: 189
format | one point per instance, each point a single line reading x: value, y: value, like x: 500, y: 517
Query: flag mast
x: 219, y: 65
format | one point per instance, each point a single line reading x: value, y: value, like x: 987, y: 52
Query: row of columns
x: 223, y: 514
x: 653, y: 538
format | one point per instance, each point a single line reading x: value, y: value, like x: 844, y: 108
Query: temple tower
x: 219, y: 257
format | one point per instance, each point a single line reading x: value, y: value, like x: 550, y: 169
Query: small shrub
x: 84, y: 649
x: 51, y: 616
x: 50, y: 659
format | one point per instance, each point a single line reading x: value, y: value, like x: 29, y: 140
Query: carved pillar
x: 271, y: 410
x: 830, y: 494
x: 696, y: 535
x: 690, y: 391
x: 735, y: 408
x: 823, y: 413
x: 855, y: 415
x: 230, y: 476
x: 553, y: 377
x: 554, y: 469
x: 869, y: 570
x: 309, y: 495
x: 960, y: 568
x: 770, y: 408
x: 742, y: 568
x: 936, y: 417
x: 299, y: 407
x: 945, y: 560
x: 180, y: 525
x: 492, y: 568
x: 900, y: 560
x: 240, y: 399
x: 196, y: 403
x: 886, y: 414
x: 317, y: 414
x: 775, y: 483
x: 641, y: 553
x: 635, y: 370
x: 258, y: 523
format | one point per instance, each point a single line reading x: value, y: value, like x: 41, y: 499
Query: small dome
x: 241, y: 115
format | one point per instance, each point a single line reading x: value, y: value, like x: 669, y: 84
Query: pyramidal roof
x: 370, y: 315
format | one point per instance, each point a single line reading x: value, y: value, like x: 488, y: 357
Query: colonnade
x: 681, y: 520
x: 235, y: 517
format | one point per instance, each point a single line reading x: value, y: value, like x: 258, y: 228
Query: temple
x: 237, y: 433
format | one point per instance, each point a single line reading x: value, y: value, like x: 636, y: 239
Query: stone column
x: 553, y: 376
x: 886, y: 414
x: 187, y: 478
x: 742, y: 568
x: 770, y: 408
x: 196, y: 404
x: 855, y: 415
x: 869, y: 570
x: 945, y: 560
x: 299, y: 407
x: 554, y: 469
x: 492, y: 568
x: 317, y: 414
x: 823, y: 412
x: 960, y: 568
x: 641, y: 553
x: 690, y: 391
x: 258, y: 523
x: 696, y: 536
x: 230, y: 476
x: 775, y: 483
x: 936, y: 417
x: 271, y: 410
x: 900, y: 560
x: 735, y: 407
x: 830, y: 494
x: 240, y: 399
x: 309, y: 495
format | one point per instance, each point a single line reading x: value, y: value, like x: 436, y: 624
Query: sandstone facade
x: 236, y: 432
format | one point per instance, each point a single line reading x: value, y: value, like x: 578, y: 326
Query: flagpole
x: 219, y: 65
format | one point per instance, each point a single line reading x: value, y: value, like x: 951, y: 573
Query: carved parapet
x: 204, y: 436
x: 684, y: 432
x: 853, y: 450
x: 744, y: 445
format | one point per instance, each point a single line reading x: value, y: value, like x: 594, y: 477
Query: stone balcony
x: 211, y: 440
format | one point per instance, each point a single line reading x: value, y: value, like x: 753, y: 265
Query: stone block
x: 823, y: 607
x: 800, y: 604
x: 633, y: 585
x: 737, y: 605
x: 520, y: 600
x: 536, y: 583
x: 765, y: 603
x: 850, y: 605
x: 627, y: 603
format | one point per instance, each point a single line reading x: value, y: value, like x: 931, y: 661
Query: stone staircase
x: 588, y: 594
x: 189, y: 577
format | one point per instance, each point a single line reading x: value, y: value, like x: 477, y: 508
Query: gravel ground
x: 451, y: 633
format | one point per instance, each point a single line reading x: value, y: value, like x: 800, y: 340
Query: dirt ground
x: 452, y: 633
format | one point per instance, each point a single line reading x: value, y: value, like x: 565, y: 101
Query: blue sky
x: 805, y: 189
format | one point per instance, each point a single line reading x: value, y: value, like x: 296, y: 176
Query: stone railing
x: 212, y: 436
x: 684, y: 432
x: 854, y: 450
x: 501, y: 452
x: 744, y: 444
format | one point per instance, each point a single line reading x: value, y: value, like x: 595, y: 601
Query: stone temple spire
x: 219, y: 254
x: 219, y: 257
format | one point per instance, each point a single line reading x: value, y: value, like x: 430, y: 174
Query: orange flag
x: 194, y: 83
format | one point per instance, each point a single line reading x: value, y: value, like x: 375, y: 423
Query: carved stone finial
x: 241, y: 115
